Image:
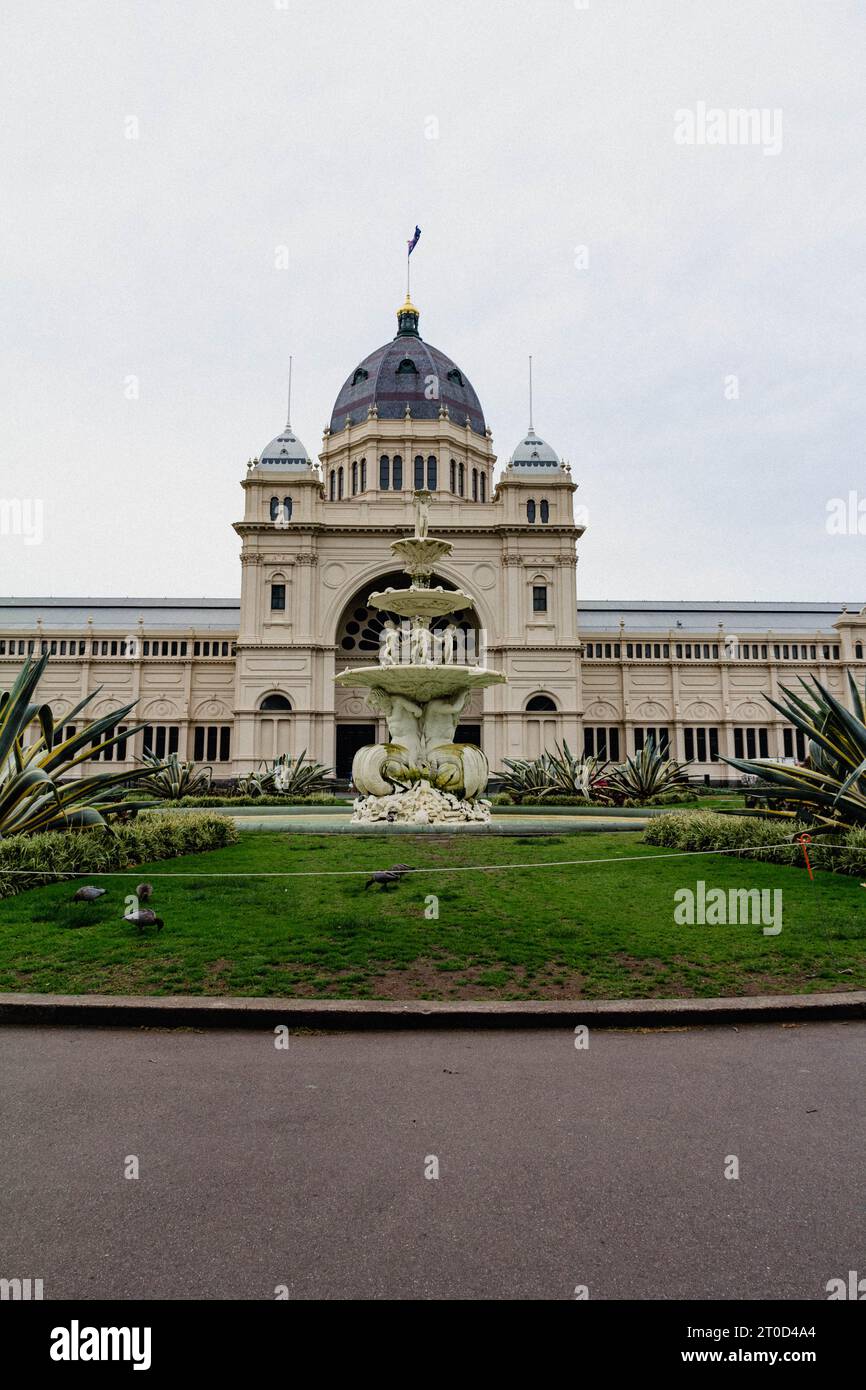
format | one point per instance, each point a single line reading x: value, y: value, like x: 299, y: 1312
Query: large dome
x: 399, y: 374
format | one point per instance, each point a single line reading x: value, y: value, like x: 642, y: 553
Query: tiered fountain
x: 423, y: 681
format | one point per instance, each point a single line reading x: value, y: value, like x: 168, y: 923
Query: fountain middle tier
x: 421, y: 682
x: 420, y: 603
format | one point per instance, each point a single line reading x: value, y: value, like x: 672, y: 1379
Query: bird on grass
x: 144, y: 917
x: 144, y: 891
x: 88, y: 894
x: 387, y: 877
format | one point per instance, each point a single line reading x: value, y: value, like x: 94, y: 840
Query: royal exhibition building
x: 232, y: 682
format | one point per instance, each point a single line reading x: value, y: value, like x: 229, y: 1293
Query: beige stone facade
x: 231, y: 684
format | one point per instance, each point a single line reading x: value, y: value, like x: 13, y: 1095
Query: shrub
x: 317, y: 799
x: 707, y: 830
x: 54, y: 854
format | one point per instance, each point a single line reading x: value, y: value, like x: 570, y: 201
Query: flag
x: 414, y: 242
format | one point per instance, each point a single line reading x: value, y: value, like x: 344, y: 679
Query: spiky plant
x: 33, y: 795
x: 560, y: 772
x: 648, y: 774
x: 170, y: 779
x: 577, y: 774
x: 286, y: 776
x: 525, y: 776
x: 829, y: 788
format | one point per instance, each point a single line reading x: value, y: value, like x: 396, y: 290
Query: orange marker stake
x: 803, y: 841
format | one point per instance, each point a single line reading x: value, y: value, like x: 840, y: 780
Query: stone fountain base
x: 420, y: 805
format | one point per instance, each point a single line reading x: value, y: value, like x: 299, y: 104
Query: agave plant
x: 830, y: 786
x: 525, y: 777
x: 557, y: 772
x: 169, y: 778
x: 580, y: 775
x: 286, y: 776
x: 648, y: 774
x: 32, y: 794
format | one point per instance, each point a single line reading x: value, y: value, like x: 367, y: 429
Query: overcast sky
x: 514, y: 134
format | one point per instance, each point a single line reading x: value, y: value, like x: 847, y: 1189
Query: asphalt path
x: 312, y: 1166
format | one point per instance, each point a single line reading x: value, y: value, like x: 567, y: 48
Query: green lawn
x: 594, y: 930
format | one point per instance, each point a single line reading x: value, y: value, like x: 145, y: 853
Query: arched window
x: 461, y: 479
x: 276, y: 704
x: 540, y: 703
x: 360, y: 375
x: 275, y: 508
x: 453, y: 476
x: 363, y: 475
x: 475, y: 485
x: 340, y: 483
x: 354, y: 477
x: 332, y: 485
x: 384, y: 473
x: 483, y: 484
x: 287, y: 509
x: 530, y: 510
x: 419, y: 472
x: 545, y: 511
x: 397, y: 473
x: 407, y: 368
x: 432, y: 473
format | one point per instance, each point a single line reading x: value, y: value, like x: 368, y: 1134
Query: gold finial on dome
x: 407, y: 319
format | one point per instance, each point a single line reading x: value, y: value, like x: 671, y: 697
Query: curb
x: 179, y: 1011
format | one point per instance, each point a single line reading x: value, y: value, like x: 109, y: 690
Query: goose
x: 144, y: 917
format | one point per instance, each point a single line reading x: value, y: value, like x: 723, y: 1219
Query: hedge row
x: 318, y: 799
x: 757, y: 838
x: 149, y: 837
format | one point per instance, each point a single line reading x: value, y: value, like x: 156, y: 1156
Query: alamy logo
x: 734, y: 907
x: 77, y: 1343
x: 712, y: 125
x: 855, y: 1288
x: 20, y: 1290
x: 22, y: 516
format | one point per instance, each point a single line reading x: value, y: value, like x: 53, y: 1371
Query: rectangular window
x: 121, y: 746
x: 738, y: 743
x: 613, y: 744
x: 278, y: 598
x: 750, y: 743
x: 173, y: 739
x: 198, y: 745
x: 714, y: 745
x: 763, y: 744
x: 689, y: 741
x: 211, y: 744
x: 196, y: 648
x: 225, y: 744
x: 589, y: 742
x: 539, y: 598
x: 788, y: 742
